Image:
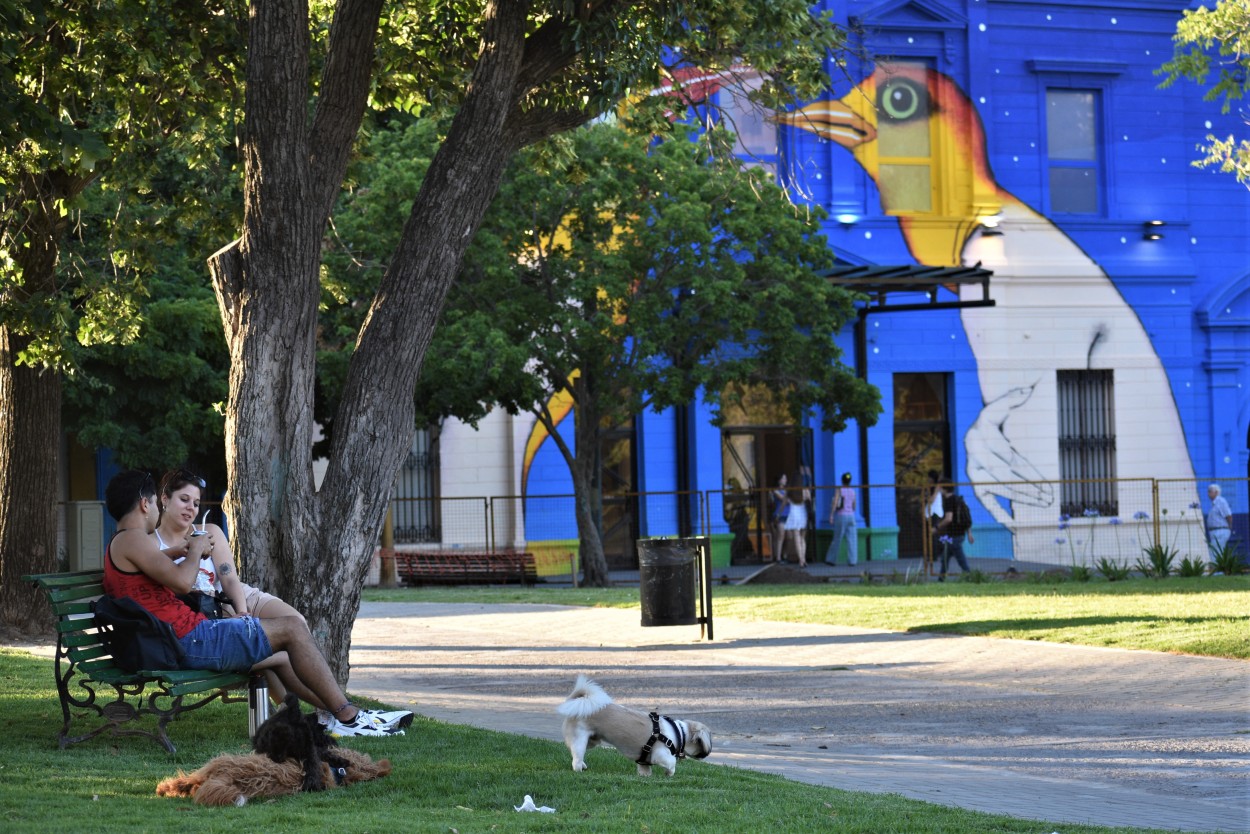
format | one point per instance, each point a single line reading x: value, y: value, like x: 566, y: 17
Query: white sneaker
x: 396, y: 719
x: 363, y: 724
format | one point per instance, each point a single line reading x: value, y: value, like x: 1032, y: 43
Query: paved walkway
x: 1063, y: 734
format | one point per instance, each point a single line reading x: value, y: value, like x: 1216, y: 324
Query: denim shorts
x: 231, y: 645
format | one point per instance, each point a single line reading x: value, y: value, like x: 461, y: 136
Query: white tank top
x: 206, y: 579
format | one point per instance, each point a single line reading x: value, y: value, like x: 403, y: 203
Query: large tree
x: 511, y: 73
x: 1212, y: 48
x: 90, y: 95
x: 631, y: 276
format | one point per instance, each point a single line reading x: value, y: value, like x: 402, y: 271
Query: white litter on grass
x: 528, y: 805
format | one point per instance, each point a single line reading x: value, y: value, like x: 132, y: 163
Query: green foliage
x: 1156, y: 561
x: 657, y: 272
x: 1041, y: 577
x: 1112, y: 570
x: 1082, y: 573
x: 909, y: 577
x: 976, y: 577
x: 597, y: 55
x: 1216, y: 42
x: 154, y: 395
x: 1192, y: 567
x: 364, y: 231
x: 1228, y: 560
x: 96, y: 95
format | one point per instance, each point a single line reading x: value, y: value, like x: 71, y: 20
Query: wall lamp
x: 989, y: 225
x: 1153, y: 230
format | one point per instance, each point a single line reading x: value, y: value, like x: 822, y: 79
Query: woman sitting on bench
x: 135, y: 567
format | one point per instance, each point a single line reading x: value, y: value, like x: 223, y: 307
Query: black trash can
x: 667, y: 581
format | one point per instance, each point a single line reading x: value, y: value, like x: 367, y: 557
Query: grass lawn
x: 1201, y: 615
x: 446, y: 778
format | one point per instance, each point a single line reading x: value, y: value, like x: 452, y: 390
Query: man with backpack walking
x: 956, y: 524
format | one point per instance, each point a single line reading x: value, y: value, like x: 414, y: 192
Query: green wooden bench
x: 88, y: 681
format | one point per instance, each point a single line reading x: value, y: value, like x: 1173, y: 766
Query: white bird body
x: 1056, y: 310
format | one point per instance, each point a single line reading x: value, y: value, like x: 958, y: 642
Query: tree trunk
x: 30, y: 421
x: 267, y: 288
x: 30, y: 429
x: 588, y: 486
x: 314, y: 548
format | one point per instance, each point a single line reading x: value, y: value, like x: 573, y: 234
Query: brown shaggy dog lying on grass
x: 234, y: 779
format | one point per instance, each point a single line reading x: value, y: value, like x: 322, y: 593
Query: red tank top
x: 152, y: 595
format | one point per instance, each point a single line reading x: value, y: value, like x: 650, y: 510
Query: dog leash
x: 678, y: 749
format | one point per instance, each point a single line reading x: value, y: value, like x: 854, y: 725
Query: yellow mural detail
x: 920, y: 118
x: 559, y: 407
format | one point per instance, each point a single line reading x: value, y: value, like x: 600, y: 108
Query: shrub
x: 910, y: 577
x: 1192, y: 567
x: 1157, y: 560
x: 1227, y: 560
x: 1114, y: 571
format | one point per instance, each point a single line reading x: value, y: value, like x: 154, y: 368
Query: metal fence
x: 1017, y: 521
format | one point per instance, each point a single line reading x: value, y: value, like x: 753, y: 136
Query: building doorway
x: 921, y: 444
x: 753, y: 459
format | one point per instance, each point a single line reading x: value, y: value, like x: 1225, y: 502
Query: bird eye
x: 902, y: 98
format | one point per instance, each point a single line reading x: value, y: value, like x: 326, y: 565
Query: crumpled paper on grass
x: 528, y: 805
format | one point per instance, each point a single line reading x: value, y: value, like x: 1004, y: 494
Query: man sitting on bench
x: 135, y: 567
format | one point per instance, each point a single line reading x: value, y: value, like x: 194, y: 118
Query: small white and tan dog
x: 591, y: 717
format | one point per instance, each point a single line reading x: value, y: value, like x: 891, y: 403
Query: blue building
x: 1030, y: 140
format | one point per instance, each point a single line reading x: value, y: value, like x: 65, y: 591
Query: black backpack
x: 961, y: 516
x: 136, y: 639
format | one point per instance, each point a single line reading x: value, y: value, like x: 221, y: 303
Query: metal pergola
x: 877, y: 284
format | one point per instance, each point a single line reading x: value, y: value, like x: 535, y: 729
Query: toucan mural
x: 1057, y: 310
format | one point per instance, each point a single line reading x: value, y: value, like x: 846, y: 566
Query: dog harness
x: 678, y: 749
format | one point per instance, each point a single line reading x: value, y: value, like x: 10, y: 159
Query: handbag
x: 207, y: 604
x: 136, y: 639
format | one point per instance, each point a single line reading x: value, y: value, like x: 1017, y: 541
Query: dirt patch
x: 11, y: 636
x: 782, y: 573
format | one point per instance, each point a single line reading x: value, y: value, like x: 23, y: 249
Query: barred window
x: 1087, y: 442
x: 416, y: 506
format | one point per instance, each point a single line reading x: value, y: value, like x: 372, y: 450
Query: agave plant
x: 1157, y: 560
x: 1192, y: 567
x: 1227, y: 560
x: 1112, y: 570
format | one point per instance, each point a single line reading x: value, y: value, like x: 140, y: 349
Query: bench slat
x: 466, y: 566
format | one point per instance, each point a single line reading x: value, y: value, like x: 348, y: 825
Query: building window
x: 755, y: 133
x: 904, y: 139
x: 1087, y: 442
x: 1073, y: 139
x: 417, y: 510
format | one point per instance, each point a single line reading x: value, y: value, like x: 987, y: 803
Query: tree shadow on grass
x: 1026, y: 624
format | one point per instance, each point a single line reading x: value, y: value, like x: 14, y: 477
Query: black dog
x: 290, y: 734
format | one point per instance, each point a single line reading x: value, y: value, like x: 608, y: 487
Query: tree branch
x: 344, y: 95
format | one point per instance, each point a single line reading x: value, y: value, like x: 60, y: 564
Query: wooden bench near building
x: 88, y: 679
x: 465, y: 567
